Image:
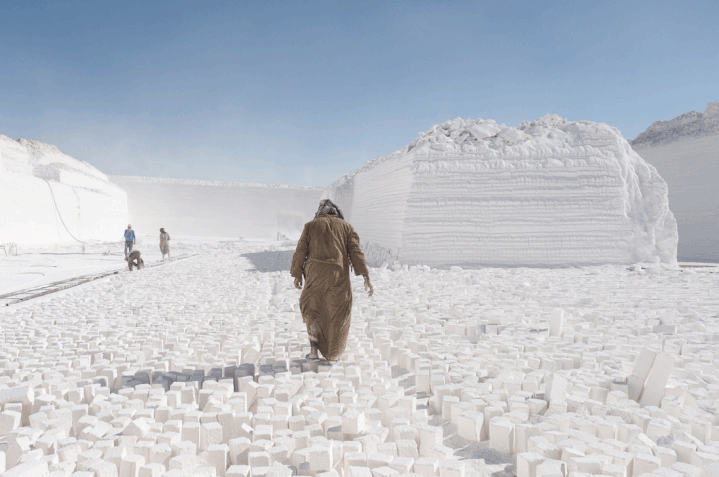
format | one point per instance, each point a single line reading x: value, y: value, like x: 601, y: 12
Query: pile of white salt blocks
x: 197, y: 370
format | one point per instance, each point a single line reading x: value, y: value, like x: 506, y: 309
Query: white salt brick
x: 407, y: 448
x: 556, y: 322
x: 160, y: 454
x: 152, y: 470
x: 452, y: 468
x: 402, y: 464
x: 470, y: 426
x: 426, y: 466
x: 501, y: 435
x: 238, y: 471
x: 356, y: 471
x: 278, y: 470
x: 527, y: 463
x: 184, y: 463
x: 9, y: 421
x: 320, y: 458
x: 552, y: 468
x: 130, y: 465
x: 645, y: 463
x: 657, y: 380
x: 556, y: 388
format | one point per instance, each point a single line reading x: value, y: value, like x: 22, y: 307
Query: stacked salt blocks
x: 197, y: 370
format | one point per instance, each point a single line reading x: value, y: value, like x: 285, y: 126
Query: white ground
x: 120, y: 374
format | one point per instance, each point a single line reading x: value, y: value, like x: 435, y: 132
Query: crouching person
x: 135, y: 259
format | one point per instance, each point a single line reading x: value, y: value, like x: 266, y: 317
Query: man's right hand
x: 298, y: 283
x: 368, y: 286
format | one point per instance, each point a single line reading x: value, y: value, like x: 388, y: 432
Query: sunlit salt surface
x: 195, y: 368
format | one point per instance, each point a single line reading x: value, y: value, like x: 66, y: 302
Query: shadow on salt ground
x: 271, y: 261
x: 479, y: 459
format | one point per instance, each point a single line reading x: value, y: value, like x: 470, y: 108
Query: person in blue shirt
x: 129, y: 240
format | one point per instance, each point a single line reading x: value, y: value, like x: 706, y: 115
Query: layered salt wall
x: 685, y: 151
x: 49, y: 197
x: 548, y: 193
x: 218, y: 209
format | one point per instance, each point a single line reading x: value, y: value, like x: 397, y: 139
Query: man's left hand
x: 298, y: 283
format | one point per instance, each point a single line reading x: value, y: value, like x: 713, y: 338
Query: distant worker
x: 129, y: 240
x: 135, y: 259
x: 325, y: 251
x: 164, y: 245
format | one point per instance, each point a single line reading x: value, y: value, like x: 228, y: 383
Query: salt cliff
x: 49, y: 197
x: 685, y: 151
x: 218, y: 209
x: 549, y: 193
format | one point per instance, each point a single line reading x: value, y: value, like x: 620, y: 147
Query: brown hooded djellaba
x: 326, y: 249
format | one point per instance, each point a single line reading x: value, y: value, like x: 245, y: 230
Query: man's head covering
x: 162, y: 230
x: 327, y: 207
x: 129, y: 226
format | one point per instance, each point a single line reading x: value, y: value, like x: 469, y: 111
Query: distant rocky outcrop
x: 689, y: 125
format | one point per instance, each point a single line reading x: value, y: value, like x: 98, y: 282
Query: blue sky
x: 302, y: 92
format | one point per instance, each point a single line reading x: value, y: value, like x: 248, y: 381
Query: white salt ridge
x: 689, y: 125
x: 35, y: 176
x: 549, y: 193
x: 685, y: 151
x: 218, y: 209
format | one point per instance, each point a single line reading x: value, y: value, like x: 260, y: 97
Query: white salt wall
x: 217, y: 209
x: 32, y: 172
x: 685, y: 151
x: 549, y: 193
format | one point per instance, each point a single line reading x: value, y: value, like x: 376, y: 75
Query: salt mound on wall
x: 549, y: 193
x: 685, y: 151
x: 218, y: 209
x: 49, y: 197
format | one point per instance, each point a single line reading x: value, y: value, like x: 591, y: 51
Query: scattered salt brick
x: 277, y: 470
x: 152, y: 470
x: 556, y: 388
x: 183, y: 462
x: 138, y: 428
x: 130, y: 465
x: 452, y: 468
x: 238, y: 471
x: 556, y: 322
x: 645, y: 463
x: 501, y: 435
x: 657, y: 380
x: 9, y: 421
x: 552, y: 468
x: 160, y: 454
x: 426, y: 466
x: 379, y: 460
x: 205, y: 472
x: 356, y: 471
x: 470, y: 425
x: 320, y: 458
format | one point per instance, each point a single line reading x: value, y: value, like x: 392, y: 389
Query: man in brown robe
x: 325, y: 251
